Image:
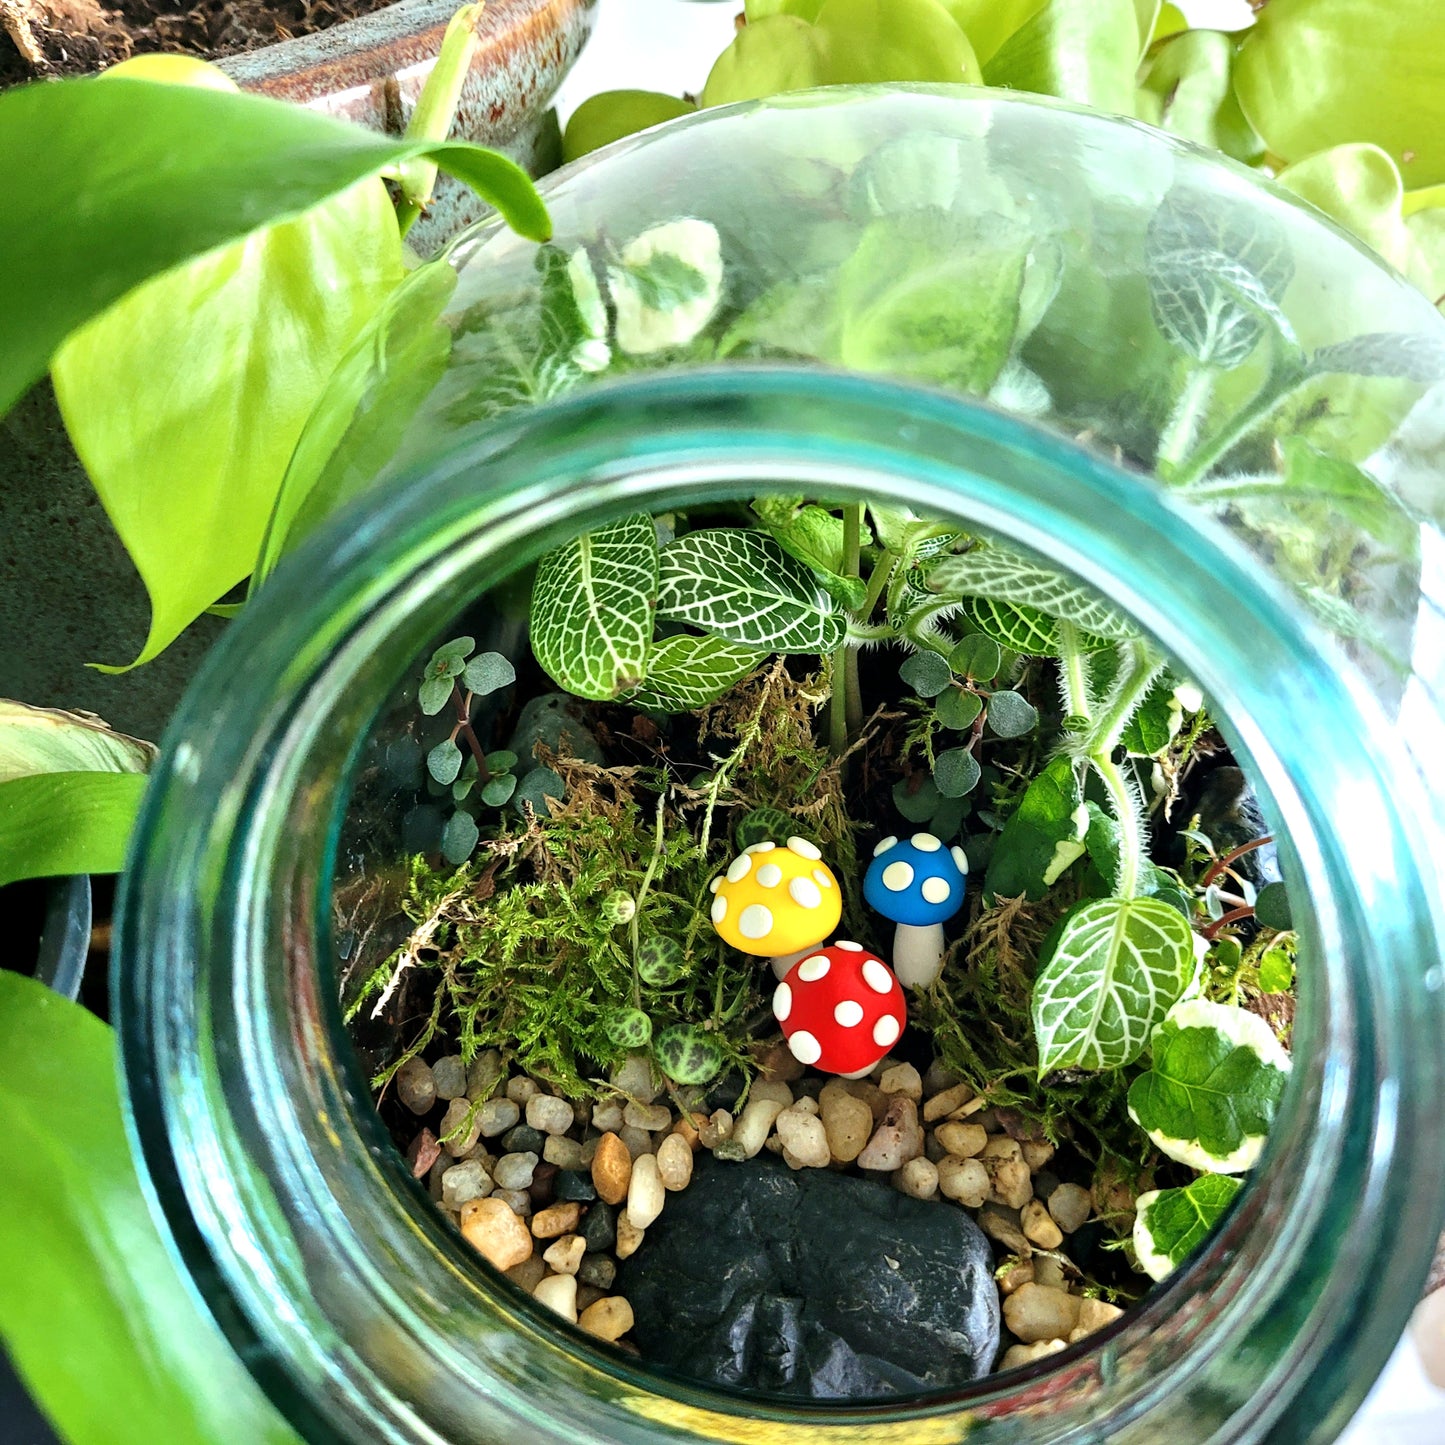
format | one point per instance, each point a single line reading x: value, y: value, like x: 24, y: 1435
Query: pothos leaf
x: 996, y: 572
x: 1215, y: 1079
x: 1185, y: 89
x: 1172, y: 1223
x: 1080, y: 50
x: 1042, y: 837
x: 689, y: 672
x: 1118, y: 966
x: 47, y: 740
x: 52, y: 824
x: 592, y: 608
x: 742, y: 586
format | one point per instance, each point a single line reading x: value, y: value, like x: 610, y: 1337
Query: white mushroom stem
x: 784, y: 961
x: 917, y: 953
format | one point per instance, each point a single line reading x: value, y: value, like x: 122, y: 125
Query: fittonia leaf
x: 814, y: 536
x: 1215, y: 1080
x: 1024, y: 630
x: 689, y: 672
x: 1404, y: 354
x: 592, y: 608
x: 1119, y: 965
x: 666, y: 284
x: 1172, y: 1223
x: 1044, y: 835
x: 742, y: 586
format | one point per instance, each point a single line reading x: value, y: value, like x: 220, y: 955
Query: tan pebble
x: 565, y: 1254
x: 629, y: 1236
x: 674, y: 1162
x: 1035, y: 1312
x: 1017, y: 1356
x: 1003, y: 1225
x: 751, y: 1131
x: 805, y: 1105
x: 918, y: 1179
x: 633, y: 1077
x: 455, y: 1119
x: 565, y: 1153
x: 689, y: 1128
x: 1000, y: 1146
x: 1070, y: 1204
x: 719, y: 1126
x: 1094, y: 1314
x: 771, y: 1090
x: 1052, y: 1269
x: 805, y: 1140
x: 963, y: 1180
x: 1010, y: 1182
x: 881, y: 1068
x: 848, y: 1122
x: 517, y: 1200
x: 896, y: 1140
x: 645, y: 1194
x: 529, y: 1274
x: 611, y: 1169
x: 559, y: 1293
x: 638, y: 1141
x: 964, y: 1141
x: 776, y: 1063
x: 902, y: 1079
x: 774, y: 1145
x: 609, y: 1319
x: 1015, y: 1273
x: 521, y: 1091
x: 1038, y: 1153
x: 589, y: 1151
x: 648, y: 1116
x: 495, y: 1232
x: 607, y: 1115
x: 871, y: 1095
x: 557, y: 1219
x: 940, y: 1106
x: 1039, y: 1225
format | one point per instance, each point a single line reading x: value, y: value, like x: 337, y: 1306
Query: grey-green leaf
x: 444, y: 761
x: 956, y: 772
x: 919, y: 804
x: 689, y: 672
x: 592, y: 608
x: 1011, y: 715
x: 926, y: 673
x: 1271, y: 907
x: 977, y: 658
x: 536, y: 786
x: 958, y: 709
x: 459, y: 838
x: 1119, y: 965
x: 742, y: 586
x: 499, y: 790
x: 488, y: 672
x: 432, y: 695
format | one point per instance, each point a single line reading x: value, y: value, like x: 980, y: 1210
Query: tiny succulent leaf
x: 488, y: 672
x: 1172, y: 1223
x: 628, y: 1028
x: 1010, y: 714
x: 432, y: 696
x: 1118, y: 966
x: 1043, y: 836
x: 459, y: 837
x: 451, y: 657
x: 501, y: 761
x: 918, y: 804
x: 957, y: 708
x: 1215, y: 1080
x: 499, y: 790
x: 687, y: 1055
x: 926, y: 673
x: 1271, y: 907
x: 956, y: 772
x: 444, y: 761
x: 977, y: 658
x: 661, y: 960
x: 592, y: 608
x: 535, y: 787
x: 686, y: 672
x: 742, y: 586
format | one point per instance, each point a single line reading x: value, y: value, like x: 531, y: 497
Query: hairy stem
x: 1073, y: 671
x: 845, y: 713
x: 1139, y: 665
x: 1125, y: 803
x: 1179, y: 432
x: 1278, y: 387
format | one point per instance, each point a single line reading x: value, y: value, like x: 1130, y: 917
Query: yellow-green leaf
x: 46, y: 740
x: 54, y: 824
x: 1080, y: 50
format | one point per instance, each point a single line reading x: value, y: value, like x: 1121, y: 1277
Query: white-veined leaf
x: 1120, y: 965
x: 1172, y: 1223
x: 688, y: 672
x: 742, y: 586
x: 592, y: 608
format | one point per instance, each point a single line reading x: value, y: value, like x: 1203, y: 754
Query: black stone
x: 599, y: 1228
x: 574, y: 1184
x: 598, y: 1270
x: 523, y: 1139
x: 813, y: 1284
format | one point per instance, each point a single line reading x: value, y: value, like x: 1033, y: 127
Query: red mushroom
x: 841, y: 1009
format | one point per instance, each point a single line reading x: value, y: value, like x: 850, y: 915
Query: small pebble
x: 634, y: 1078
x: 751, y: 1131
x: 805, y: 1140
x: 454, y: 1120
x: 1038, y: 1153
x: 648, y: 1116
x: 964, y: 1141
x: 611, y: 1169
x: 519, y: 1090
x: 597, y: 1270
x: 940, y: 1106
x: 565, y: 1254
x: 1003, y: 1225
x: 777, y: 1064
x: 1094, y: 1314
x: 629, y: 1236
x: 463, y: 1182
x: 434, y: 1176
x: 599, y: 1228
x: 1016, y: 1356
x: 638, y: 1141
x: 719, y: 1126
x: 495, y: 1232
x: 450, y: 1076
x: 415, y: 1085
x: 1039, y: 1226
x: 608, y: 1319
x: 587, y: 1294
x: 963, y: 1180
x: 574, y: 1184
x: 674, y: 1162
x: 422, y: 1153
x: 559, y: 1293
x: 1036, y: 1312
x: 645, y: 1194
x: 896, y: 1140
x: 1011, y: 1183
x: 919, y: 1179
x: 549, y: 1114
x: 523, y: 1139
x: 939, y: 1079
x: 1051, y: 1269
x: 484, y: 1075
x: 517, y: 1200
x: 881, y: 1068
x: 871, y: 1095
x: 1070, y: 1204
x: 774, y: 1090
x: 557, y: 1220
x: 565, y: 1153
x: 848, y: 1122
x: 1015, y: 1273
x: 805, y: 1104
x: 607, y: 1116
x: 514, y: 1171
x: 688, y: 1128
x: 529, y: 1274
x: 1000, y: 1146
x: 496, y: 1116
x: 902, y: 1079
x: 540, y: 1189
x: 589, y: 1151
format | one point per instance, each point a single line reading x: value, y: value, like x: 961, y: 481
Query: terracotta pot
x: 371, y: 70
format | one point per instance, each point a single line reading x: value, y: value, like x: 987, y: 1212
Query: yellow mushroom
x: 777, y: 902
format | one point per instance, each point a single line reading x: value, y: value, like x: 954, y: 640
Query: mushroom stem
x: 917, y: 953
x: 784, y: 961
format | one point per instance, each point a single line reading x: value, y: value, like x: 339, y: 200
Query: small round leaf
x: 687, y: 1055
x: 501, y: 761
x: 926, y: 673
x: 444, y: 761
x: 1272, y: 906
x: 660, y: 960
x: 628, y: 1028
x: 976, y: 657
x: 499, y: 789
x: 1011, y: 715
x: 487, y: 672
x: 956, y: 772
x: 536, y: 786
x: 432, y: 695
x: 458, y: 650
x: 459, y: 837
x: 1276, y: 971
x: 958, y: 709
x: 919, y: 804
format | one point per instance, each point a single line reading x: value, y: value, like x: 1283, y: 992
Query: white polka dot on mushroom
x: 812, y: 969
x: 755, y: 921
x: 719, y: 908
x: 925, y: 842
x: 821, y: 878
x: 849, y: 945
x: 936, y: 890
x: 804, y: 892
x: 769, y: 875
x: 960, y: 857
x: 804, y: 849
x: 739, y: 868
x: 885, y: 845
x: 877, y: 976
x: 897, y: 876
x: 849, y: 1013
x: 805, y: 1048
x: 782, y: 1002
x: 714, y: 885
x: 885, y: 1032
x: 760, y: 848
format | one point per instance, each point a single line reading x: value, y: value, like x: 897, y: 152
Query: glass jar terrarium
x: 1167, y: 380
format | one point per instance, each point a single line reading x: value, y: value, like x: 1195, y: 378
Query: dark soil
x: 46, y: 38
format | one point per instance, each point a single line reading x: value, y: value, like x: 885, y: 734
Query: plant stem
x: 1139, y: 667
x: 1073, y: 671
x: 634, y: 930
x: 1278, y: 387
x: 845, y: 713
x: 1131, y: 825
x: 1233, y: 856
x: 464, y: 729
x: 1178, y: 433
x: 877, y: 581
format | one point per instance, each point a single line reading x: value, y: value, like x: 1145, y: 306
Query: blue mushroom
x: 918, y: 884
